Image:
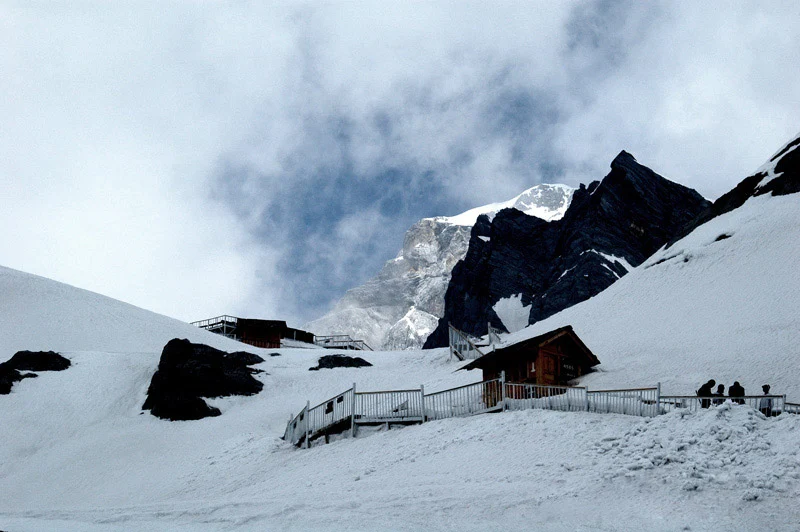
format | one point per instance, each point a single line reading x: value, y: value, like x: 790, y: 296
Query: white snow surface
x: 77, y: 453
x: 546, y: 201
x: 512, y: 313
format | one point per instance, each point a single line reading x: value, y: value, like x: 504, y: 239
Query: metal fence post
x: 586, y: 393
x: 422, y: 400
x: 353, y: 414
x: 307, y: 443
x: 503, y: 388
x: 658, y: 399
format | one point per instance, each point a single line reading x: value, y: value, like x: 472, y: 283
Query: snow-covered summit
x: 395, y: 309
x: 546, y: 201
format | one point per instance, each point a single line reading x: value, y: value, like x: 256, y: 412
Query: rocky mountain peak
x: 398, y: 308
x: 521, y: 270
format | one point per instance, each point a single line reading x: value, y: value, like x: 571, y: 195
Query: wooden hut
x: 554, y: 358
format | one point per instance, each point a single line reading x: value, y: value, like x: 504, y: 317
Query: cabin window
x: 340, y: 399
x: 568, y: 370
x: 532, y: 368
x: 329, y: 407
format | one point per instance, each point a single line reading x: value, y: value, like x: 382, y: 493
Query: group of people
x: 735, y: 394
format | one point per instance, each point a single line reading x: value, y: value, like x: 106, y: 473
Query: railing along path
x: 350, y: 409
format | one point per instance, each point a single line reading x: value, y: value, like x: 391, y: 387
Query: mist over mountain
x: 401, y: 306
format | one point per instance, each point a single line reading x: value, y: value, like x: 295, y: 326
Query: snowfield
x: 77, y: 453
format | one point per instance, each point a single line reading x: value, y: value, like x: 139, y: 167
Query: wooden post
x: 307, y: 443
x: 353, y: 414
x: 422, y: 400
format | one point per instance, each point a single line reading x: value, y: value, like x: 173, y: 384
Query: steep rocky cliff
x: 520, y: 269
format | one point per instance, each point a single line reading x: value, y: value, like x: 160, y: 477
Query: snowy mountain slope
x: 40, y: 314
x: 720, y: 303
x: 394, y: 309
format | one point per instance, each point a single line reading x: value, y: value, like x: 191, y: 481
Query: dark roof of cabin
x: 262, y: 324
x: 503, y: 351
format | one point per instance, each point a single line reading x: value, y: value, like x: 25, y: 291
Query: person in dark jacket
x: 704, y: 392
x: 736, y: 392
x: 721, y: 394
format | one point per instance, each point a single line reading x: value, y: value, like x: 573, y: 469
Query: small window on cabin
x: 533, y: 367
x: 329, y: 407
x: 340, y: 399
x: 301, y: 417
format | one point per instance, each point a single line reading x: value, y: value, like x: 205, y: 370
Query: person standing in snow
x: 765, y: 404
x: 736, y: 392
x: 721, y: 394
x: 704, y: 392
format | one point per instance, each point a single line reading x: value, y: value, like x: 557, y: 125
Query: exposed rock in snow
x: 340, y: 361
x: 416, y: 280
x: 11, y: 370
x: 188, y: 372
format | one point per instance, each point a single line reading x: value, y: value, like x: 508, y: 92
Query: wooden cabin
x: 554, y: 358
x: 258, y: 333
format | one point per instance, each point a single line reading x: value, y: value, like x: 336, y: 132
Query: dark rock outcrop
x: 38, y: 361
x: 188, y: 372
x: 554, y: 265
x: 11, y: 370
x: 786, y: 169
x: 340, y: 361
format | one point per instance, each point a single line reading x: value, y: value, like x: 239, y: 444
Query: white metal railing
x: 769, y: 405
x: 461, y: 346
x: 532, y: 396
x: 632, y: 401
x: 468, y: 400
x: 341, y: 341
x: 791, y: 408
x: 297, y: 429
x: 329, y: 413
x: 350, y: 408
x: 493, y: 335
x: 389, y: 406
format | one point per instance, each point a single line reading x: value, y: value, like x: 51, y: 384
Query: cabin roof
x: 536, y: 341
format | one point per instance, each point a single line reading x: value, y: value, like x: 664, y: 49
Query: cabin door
x: 549, y: 368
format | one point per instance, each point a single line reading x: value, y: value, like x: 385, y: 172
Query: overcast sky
x: 202, y: 158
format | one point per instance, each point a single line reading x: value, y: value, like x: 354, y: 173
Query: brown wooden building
x: 258, y: 333
x: 553, y: 358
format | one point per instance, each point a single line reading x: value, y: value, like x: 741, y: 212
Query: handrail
x: 497, y: 395
x: 625, y: 390
x: 461, y: 387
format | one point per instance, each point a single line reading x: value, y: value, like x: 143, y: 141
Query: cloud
x: 261, y: 159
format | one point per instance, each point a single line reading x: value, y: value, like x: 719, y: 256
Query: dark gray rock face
x: 188, y: 372
x: 780, y: 176
x: 609, y: 227
x: 11, y: 370
x: 339, y: 361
